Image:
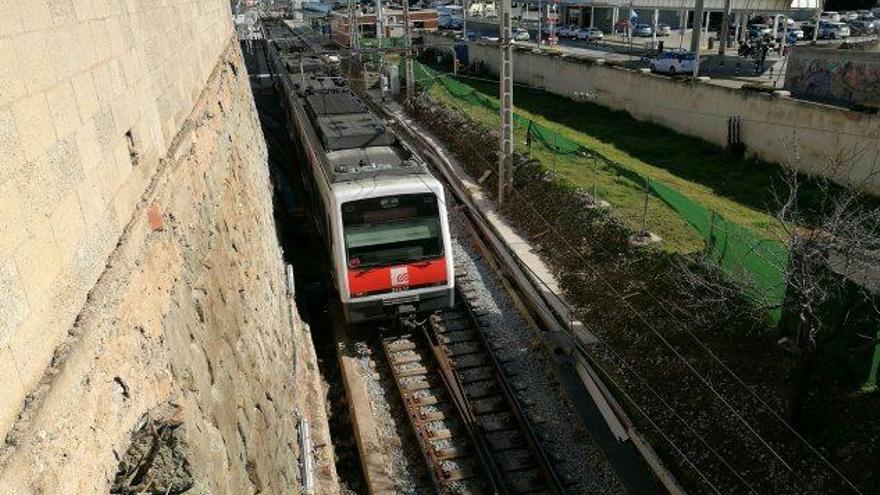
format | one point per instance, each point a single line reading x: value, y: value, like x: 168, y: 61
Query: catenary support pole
x: 736, y: 31
x: 696, y: 34
x: 682, y: 27
x: 407, y: 40
x: 505, y: 153
x: 380, y: 21
x: 654, y: 29
x: 540, y: 18
x: 725, y: 28
x: 466, y: 4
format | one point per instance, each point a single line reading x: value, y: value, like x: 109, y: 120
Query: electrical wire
x: 693, y: 370
x: 737, y: 378
x: 664, y: 306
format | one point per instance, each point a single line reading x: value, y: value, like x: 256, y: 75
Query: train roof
x: 355, y: 143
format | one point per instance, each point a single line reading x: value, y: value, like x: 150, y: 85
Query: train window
x: 392, y: 230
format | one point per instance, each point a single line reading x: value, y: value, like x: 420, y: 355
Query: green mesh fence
x: 757, y: 263
x: 753, y: 261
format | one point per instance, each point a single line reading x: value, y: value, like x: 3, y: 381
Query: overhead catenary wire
x: 702, y: 379
x: 664, y: 306
x: 658, y: 335
x: 742, y: 383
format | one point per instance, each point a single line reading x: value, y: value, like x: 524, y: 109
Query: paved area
x: 729, y: 70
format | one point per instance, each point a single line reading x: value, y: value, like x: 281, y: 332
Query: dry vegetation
x: 704, y: 381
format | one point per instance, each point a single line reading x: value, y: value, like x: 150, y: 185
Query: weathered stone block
x: 11, y: 85
x: 62, y: 104
x: 68, y: 224
x: 34, y: 61
x: 13, y: 301
x: 11, y: 153
x: 13, y: 226
x: 33, y: 121
x: 12, y: 390
x: 38, y: 260
x: 34, y: 14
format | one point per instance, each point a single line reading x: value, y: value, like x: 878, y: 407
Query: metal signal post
x: 505, y: 153
x: 408, y: 62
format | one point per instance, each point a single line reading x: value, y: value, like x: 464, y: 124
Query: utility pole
x: 408, y: 62
x: 540, y: 17
x: 466, y: 5
x: 352, y: 29
x: 505, y: 153
x: 696, y: 33
x: 380, y: 22
x: 725, y: 28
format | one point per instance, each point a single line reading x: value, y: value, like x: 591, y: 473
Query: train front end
x: 395, y: 253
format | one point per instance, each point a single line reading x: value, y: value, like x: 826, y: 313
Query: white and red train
x: 381, y: 213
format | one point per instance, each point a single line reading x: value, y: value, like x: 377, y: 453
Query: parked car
x: 643, y: 30
x: 566, y: 31
x: 663, y: 29
x: 759, y: 30
x: 589, y: 34
x: 674, y: 62
x: 865, y: 14
x: 849, y: 16
x: 796, y: 31
x: 861, y: 27
x: 829, y: 16
x: 833, y: 30
x: 521, y: 34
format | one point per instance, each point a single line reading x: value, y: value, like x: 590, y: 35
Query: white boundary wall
x: 774, y: 129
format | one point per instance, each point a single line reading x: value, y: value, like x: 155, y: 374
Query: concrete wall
x: 849, y: 76
x: 840, y: 144
x: 140, y: 271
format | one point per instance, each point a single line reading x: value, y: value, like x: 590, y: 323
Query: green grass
x: 739, y: 189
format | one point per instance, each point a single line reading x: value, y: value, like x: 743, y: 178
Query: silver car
x: 663, y: 30
x: 643, y: 30
x: 589, y: 34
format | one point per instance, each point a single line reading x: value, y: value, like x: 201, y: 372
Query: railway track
x: 475, y: 435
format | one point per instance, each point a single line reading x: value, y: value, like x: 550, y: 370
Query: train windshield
x: 392, y: 230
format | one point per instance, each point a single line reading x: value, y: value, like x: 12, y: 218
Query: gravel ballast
x: 579, y: 461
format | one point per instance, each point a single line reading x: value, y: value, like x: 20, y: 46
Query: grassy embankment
x: 739, y: 189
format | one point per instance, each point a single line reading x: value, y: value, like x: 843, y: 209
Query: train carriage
x: 382, y: 214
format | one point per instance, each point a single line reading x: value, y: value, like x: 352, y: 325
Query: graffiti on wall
x: 833, y: 76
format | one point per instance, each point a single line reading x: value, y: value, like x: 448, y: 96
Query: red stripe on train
x: 366, y: 281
